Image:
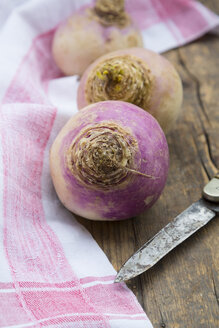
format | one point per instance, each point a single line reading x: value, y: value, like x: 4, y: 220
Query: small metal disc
x: 211, y: 190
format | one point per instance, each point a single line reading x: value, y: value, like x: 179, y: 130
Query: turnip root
x: 91, y: 32
x: 110, y: 161
x: 138, y: 76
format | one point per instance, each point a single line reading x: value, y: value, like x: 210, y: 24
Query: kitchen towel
x: 52, y: 272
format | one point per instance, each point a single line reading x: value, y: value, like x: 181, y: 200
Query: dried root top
x: 110, y: 12
x: 123, y: 78
x: 102, y: 155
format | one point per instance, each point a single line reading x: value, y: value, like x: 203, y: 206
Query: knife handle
x: 211, y: 190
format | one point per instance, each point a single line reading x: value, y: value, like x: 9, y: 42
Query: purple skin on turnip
x: 110, y: 161
x: 92, y: 31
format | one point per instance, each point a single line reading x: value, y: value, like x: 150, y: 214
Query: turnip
x: 91, y: 32
x: 110, y: 161
x: 138, y: 76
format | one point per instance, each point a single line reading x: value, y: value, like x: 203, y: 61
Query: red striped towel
x: 52, y: 273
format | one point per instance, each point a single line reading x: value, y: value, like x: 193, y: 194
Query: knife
x: 174, y: 233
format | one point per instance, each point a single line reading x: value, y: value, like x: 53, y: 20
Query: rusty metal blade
x: 174, y: 233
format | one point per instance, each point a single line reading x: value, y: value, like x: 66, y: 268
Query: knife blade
x: 174, y: 233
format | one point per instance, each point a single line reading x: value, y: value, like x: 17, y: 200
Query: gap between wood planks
x: 202, y: 142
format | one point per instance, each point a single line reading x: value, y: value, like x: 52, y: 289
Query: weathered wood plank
x: 211, y: 4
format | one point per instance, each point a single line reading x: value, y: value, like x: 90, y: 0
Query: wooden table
x: 182, y: 290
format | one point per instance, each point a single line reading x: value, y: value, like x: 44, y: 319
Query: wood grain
x: 182, y: 290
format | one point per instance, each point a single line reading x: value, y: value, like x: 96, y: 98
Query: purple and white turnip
x: 138, y: 76
x: 92, y: 31
x: 110, y: 161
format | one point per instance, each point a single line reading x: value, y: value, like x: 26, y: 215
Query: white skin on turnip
x: 91, y: 32
x: 135, y: 75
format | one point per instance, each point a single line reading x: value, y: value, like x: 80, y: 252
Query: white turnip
x: 91, y: 32
x: 138, y: 76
